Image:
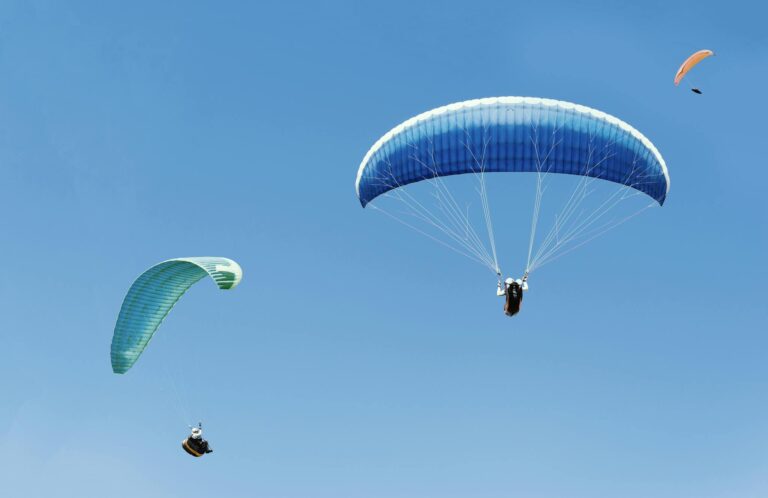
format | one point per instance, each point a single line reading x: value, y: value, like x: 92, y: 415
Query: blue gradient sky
x: 358, y: 359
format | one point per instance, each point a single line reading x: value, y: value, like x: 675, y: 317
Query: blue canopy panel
x: 512, y: 134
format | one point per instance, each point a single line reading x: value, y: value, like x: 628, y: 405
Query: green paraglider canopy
x: 153, y: 295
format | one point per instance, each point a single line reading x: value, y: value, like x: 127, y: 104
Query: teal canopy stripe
x: 153, y: 295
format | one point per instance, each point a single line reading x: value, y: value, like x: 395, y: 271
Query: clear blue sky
x: 356, y: 359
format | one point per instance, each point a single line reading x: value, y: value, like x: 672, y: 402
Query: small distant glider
x: 689, y: 63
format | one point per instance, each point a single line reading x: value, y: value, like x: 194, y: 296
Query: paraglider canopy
x: 511, y: 135
x: 153, y: 295
x: 391, y: 163
x: 689, y: 63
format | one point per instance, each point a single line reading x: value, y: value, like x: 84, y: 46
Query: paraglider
x: 148, y: 302
x: 195, y: 445
x: 510, y: 135
x: 689, y: 63
x: 153, y: 295
x: 513, y: 291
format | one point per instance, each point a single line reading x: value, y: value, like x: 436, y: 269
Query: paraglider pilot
x: 513, y: 291
x: 195, y: 445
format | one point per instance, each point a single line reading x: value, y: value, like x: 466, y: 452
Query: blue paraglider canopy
x: 446, y: 141
x: 513, y: 135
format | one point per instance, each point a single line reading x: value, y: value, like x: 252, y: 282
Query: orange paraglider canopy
x: 690, y: 62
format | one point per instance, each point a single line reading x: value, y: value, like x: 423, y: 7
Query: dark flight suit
x: 514, y: 294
